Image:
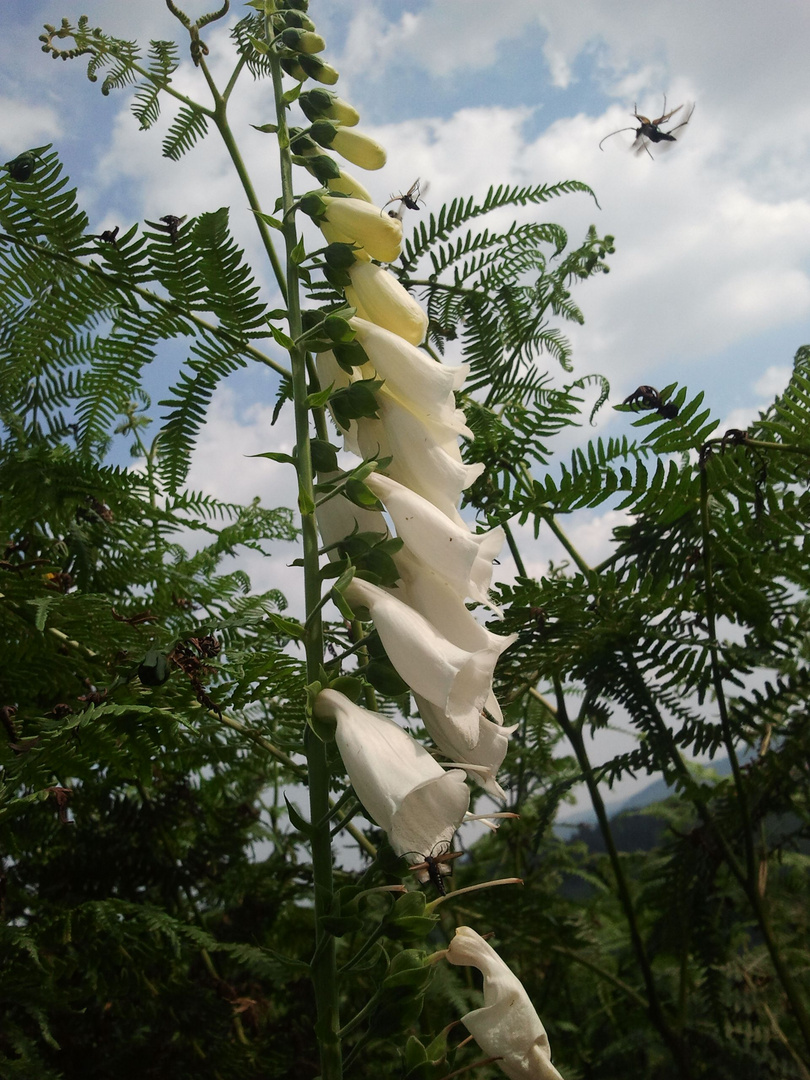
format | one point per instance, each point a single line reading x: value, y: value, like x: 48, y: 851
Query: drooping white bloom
x: 507, y: 1026
x: 457, y: 681
x: 357, y: 221
x: 403, y: 789
x: 426, y: 457
x: 487, y: 752
x: 412, y: 376
x: 462, y: 558
x: 380, y: 299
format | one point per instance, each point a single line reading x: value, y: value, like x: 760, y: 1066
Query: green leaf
x: 274, y: 223
x: 283, y: 339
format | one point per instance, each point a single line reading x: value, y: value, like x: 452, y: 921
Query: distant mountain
x: 655, y: 792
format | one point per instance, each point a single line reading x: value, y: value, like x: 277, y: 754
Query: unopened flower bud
x: 316, y: 103
x: 378, y: 234
x: 313, y: 205
x: 349, y: 185
x: 358, y: 148
x: 319, y: 71
x: 302, y: 41
x: 323, y: 167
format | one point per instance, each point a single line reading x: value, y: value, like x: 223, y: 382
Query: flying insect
x: 411, y: 199
x: 650, y: 130
x: 435, y: 866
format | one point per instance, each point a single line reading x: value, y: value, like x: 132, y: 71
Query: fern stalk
x: 750, y: 883
x: 573, y: 733
x: 323, y: 968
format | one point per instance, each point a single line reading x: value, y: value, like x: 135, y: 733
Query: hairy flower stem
x: 323, y: 967
x: 573, y: 733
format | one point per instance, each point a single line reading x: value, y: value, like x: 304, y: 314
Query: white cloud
x: 25, y: 124
x: 223, y: 467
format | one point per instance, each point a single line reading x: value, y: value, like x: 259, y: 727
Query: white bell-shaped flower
x: 444, y: 609
x: 487, y: 752
x: 403, y: 789
x: 462, y: 558
x: 452, y: 678
x: 379, y: 298
x: 507, y: 1026
x: 426, y: 457
x: 411, y: 376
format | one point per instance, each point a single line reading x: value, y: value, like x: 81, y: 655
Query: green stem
x: 324, y: 966
x: 224, y: 128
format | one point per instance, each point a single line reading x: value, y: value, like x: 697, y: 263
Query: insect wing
x: 663, y: 119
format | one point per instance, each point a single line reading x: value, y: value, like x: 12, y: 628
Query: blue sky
x: 710, y: 283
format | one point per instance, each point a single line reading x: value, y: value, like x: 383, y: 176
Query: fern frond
x: 163, y: 62
x: 189, y: 126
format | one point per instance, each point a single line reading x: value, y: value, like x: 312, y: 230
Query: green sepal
x: 415, y: 1053
x: 338, y: 279
x: 314, y: 103
x: 297, y: 821
x: 338, y: 329
x: 347, y: 685
x: 408, y: 920
x: 324, y: 455
x: 407, y: 968
x: 313, y: 205
x: 323, y: 132
x: 300, y: 143
x: 339, y: 256
x: 385, y: 679
x: 322, y: 166
x: 350, y: 354
x: 355, y: 401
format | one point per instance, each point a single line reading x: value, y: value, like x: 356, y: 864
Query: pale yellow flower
x: 380, y: 299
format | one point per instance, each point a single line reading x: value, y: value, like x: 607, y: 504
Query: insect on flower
x: 650, y: 130
x: 436, y: 866
x: 410, y: 200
